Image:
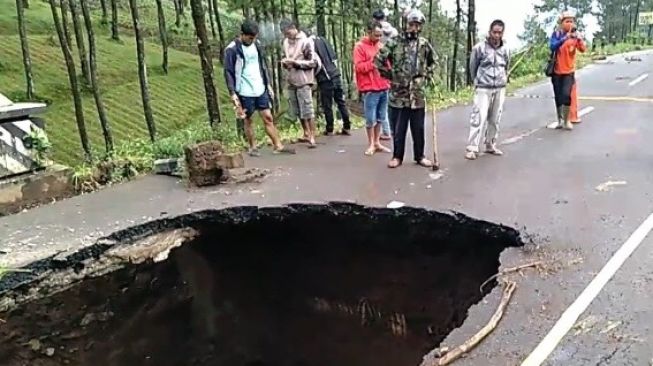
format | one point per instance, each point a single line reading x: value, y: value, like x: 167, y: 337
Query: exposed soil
x: 283, y: 287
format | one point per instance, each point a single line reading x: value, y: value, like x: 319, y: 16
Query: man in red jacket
x: 372, y: 86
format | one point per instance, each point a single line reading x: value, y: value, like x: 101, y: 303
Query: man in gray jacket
x: 488, y: 66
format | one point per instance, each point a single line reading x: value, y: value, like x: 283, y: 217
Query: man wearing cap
x: 565, y: 42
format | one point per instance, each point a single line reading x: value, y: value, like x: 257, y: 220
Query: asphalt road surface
x: 546, y: 184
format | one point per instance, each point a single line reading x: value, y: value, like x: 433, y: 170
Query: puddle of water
x: 286, y: 289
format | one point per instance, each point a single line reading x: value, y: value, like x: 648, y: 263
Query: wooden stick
x: 456, y: 353
x: 436, y: 162
x: 511, y: 270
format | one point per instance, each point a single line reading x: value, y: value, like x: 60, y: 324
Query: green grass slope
x: 177, y: 98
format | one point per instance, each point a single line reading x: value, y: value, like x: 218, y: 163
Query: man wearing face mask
x: 248, y: 81
x: 488, y: 66
x: 412, y: 65
x: 564, y: 43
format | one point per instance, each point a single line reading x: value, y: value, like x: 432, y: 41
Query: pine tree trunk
x: 79, y: 39
x: 320, y: 14
x: 24, y: 46
x: 177, y: 12
x: 204, y: 49
x: 456, y: 38
x: 163, y: 35
x: 72, y: 78
x: 142, y: 71
x: 636, y: 20
x: 114, y: 20
x: 211, y: 15
x: 103, y: 5
x: 295, y: 13
x: 220, y: 30
x: 471, y: 37
x: 104, y: 122
x: 63, y: 5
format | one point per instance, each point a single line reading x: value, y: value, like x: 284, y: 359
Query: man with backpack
x: 330, y: 85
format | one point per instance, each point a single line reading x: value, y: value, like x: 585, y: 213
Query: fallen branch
x: 511, y: 270
x: 446, y: 357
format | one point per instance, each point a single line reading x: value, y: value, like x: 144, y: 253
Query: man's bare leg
x: 272, y: 132
x: 311, y: 132
x: 371, y: 139
x: 251, y: 137
x: 377, y: 139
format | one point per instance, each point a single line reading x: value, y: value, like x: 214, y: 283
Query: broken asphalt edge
x: 58, y: 272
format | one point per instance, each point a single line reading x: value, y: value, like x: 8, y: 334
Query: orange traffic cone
x: 573, y: 109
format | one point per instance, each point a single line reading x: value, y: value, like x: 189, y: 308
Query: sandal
x: 394, y: 163
x: 426, y: 163
x: 284, y: 150
x: 383, y: 149
x: 370, y: 151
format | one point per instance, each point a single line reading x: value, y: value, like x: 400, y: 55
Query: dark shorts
x: 253, y: 104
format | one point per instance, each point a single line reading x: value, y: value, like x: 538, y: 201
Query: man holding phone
x: 300, y: 61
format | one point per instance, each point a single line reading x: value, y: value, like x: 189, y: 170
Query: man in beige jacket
x: 300, y: 62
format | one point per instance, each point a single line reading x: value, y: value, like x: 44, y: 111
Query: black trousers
x: 562, y: 85
x: 332, y: 92
x: 400, y: 119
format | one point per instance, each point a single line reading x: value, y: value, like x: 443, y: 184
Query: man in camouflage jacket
x: 408, y: 61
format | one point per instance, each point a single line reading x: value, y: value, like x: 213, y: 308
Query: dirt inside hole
x: 284, y: 287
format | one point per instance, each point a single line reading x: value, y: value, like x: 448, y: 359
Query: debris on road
x: 611, y: 326
x: 504, y: 272
x: 606, y: 186
x: 395, y: 204
x: 443, y: 356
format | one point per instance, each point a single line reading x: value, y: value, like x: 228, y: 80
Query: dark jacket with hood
x: 234, y: 64
x: 329, y: 69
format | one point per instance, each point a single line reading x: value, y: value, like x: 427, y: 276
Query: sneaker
x: 253, y: 153
x: 470, y: 155
x: 328, y: 133
x: 492, y: 149
x: 345, y: 133
x: 569, y: 126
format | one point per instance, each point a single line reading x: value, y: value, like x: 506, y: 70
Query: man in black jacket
x: 330, y: 84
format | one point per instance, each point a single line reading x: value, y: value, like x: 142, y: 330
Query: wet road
x: 545, y: 184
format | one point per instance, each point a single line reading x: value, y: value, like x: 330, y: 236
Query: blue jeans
x: 375, y: 105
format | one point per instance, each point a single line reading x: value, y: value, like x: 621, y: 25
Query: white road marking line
x: 571, y: 315
x: 514, y: 139
x: 581, y: 113
x: 638, y: 80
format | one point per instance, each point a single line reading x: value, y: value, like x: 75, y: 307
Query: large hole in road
x: 299, y: 285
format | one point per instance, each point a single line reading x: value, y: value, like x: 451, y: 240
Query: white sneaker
x: 470, y: 155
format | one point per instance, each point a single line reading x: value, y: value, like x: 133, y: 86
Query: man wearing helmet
x: 564, y: 43
x: 411, y: 66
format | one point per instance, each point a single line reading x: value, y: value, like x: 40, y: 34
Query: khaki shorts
x: 301, y: 102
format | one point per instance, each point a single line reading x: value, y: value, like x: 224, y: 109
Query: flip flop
x: 370, y: 152
x: 382, y: 149
x: 285, y: 150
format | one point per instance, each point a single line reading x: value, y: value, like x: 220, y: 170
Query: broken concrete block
x: 166, y: 166
x: 202, y: 163
x: 231, y: 161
